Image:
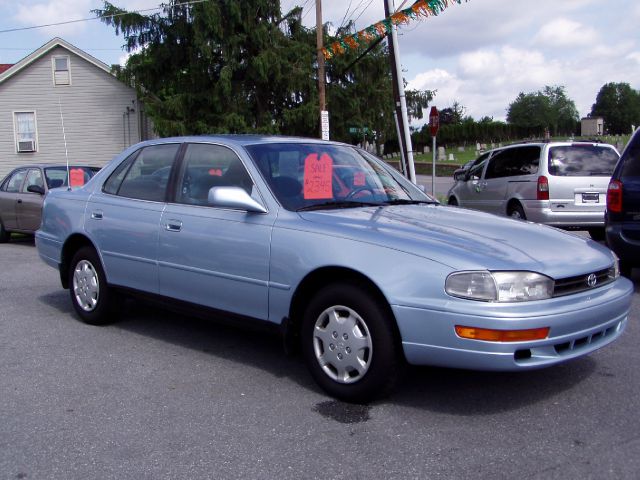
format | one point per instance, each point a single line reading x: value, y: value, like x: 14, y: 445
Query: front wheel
x: 4, y: 235
x: 349, y: 344
x: 88, y: 287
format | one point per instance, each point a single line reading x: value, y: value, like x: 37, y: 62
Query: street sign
x: 434, y: 121
x: 324, y: 123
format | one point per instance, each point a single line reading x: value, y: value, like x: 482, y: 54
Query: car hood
x: 465, y: 239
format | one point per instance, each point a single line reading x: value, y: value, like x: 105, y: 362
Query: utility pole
x: 401, y: 100
x: 324, y: 114
x: 396, y: 96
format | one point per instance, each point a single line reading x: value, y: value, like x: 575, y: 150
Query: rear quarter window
x: 631, y: 159
x: 513, y: 162
x: 582, y: 161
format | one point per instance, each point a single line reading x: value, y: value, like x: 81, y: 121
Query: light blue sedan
x: 338, y: 252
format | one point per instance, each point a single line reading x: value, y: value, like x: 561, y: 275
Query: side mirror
x: 235, y: 198
x: 35, y: 189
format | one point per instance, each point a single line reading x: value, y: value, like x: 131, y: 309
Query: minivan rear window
x: 582, y: 161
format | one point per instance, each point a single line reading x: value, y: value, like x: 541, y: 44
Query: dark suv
x: 622, y: 217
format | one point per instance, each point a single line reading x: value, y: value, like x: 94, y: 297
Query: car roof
x: 55, y: 165
x: 244, y: 140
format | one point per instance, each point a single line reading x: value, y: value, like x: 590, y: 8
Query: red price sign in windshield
x: 434, y: 121
x: 318, y: 173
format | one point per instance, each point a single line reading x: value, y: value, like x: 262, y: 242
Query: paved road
x: 163, y: 396
x: 442, y: 184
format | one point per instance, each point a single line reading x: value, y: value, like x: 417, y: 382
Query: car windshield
x: 57, y: 176
x: 582, y: 160
x: 316, y: 176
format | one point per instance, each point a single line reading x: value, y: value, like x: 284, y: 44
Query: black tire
x: 4, y: 235
x: 597, y: 234
x: 90, y: 294
x: 366, y: 339
x: 453, y: 202
x: 515, y: 211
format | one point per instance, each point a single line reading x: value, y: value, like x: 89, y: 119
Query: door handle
x: 96, y: 215
x: 173, y: 226
x: 19, y: 201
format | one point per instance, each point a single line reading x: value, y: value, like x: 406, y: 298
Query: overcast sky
x: 481, y: 53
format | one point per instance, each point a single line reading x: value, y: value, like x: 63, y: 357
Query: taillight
x: 543, y: 188
x: 614, y: 196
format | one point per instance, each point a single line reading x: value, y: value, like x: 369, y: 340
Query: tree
x: 223, y: 66
x: 619, y: 105
x: 452, y: 115
x: 549, y: 108
x: 236, y: 67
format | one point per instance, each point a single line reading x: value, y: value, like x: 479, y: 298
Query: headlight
x: 499, y: 286
x: 614, y: 271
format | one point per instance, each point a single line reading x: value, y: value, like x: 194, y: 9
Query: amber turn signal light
x: 491, y: 335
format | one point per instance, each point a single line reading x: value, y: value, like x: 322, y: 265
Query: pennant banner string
x: 419, y: 10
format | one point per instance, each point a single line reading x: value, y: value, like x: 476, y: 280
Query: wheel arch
x: 513, y: 201
x: 74, y: 243
x: 317, y: 279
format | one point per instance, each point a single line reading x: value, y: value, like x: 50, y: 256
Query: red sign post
x: 434, y: 121
x: 434, y: 124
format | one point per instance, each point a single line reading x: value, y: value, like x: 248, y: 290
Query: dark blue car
x: 623, y: 207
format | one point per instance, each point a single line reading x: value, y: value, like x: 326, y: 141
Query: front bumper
x: 579, y: 324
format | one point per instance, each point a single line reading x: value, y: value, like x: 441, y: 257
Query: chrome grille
x: 581, y: 283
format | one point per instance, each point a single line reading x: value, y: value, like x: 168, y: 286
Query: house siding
x: 94, y: 108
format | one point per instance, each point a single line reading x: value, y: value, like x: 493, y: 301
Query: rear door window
x: 582, y: 161
x: 15, y: 182
x: 148, y: 176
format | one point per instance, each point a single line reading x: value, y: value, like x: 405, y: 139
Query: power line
x: 19, y: 29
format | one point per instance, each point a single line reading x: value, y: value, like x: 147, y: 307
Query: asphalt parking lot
x: 164, y: 396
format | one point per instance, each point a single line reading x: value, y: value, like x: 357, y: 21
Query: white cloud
x: 55, y: 11
x: 562, y: 32
x: 486, y: 81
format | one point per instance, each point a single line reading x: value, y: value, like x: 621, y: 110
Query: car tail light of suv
x: 543, y: 188
x: 614, y: 196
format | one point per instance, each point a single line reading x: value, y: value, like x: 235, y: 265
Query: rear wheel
x: 516, y: 211
x: 453, y: 201
x: 88, y: 287
x: 349, y: 344
x: 4, y: 235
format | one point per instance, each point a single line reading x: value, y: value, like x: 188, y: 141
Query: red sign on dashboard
x: 76, y: 177
x: 318, y: 173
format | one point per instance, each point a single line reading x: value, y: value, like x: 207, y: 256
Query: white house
x: 58, y: 85
x: 591, y: 126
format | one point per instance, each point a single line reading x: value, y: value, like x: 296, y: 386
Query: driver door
x: 217, y: 257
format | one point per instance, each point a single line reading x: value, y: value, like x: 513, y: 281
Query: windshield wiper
x: 404, y: 201
x: 342, y: 204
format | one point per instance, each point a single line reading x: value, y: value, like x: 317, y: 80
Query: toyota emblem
x: 592, y: 280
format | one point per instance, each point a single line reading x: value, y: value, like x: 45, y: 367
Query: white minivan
x: 563, y: 184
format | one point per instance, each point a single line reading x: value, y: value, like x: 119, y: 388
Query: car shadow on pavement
x: 466, y: 392
x: 451, y: 391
